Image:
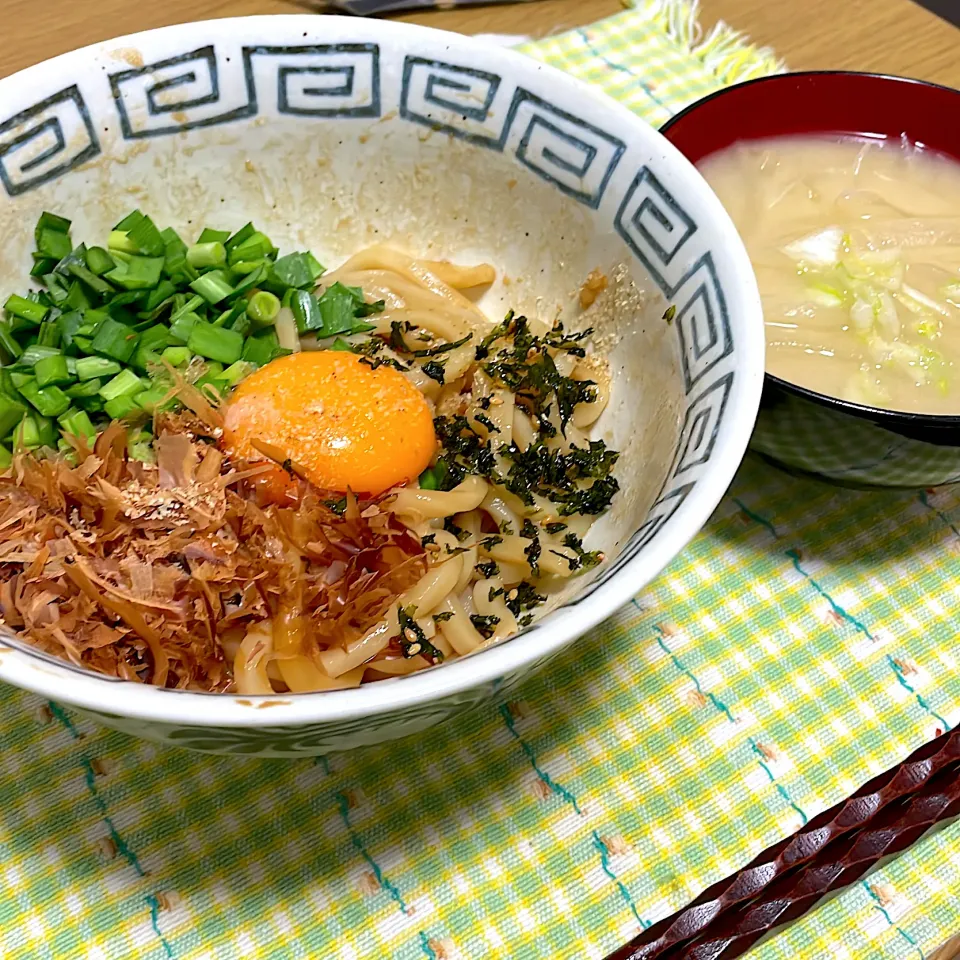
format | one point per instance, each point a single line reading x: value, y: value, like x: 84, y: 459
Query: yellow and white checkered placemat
x: 804, y: 642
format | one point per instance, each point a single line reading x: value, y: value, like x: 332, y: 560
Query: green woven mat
x: 803, y: 643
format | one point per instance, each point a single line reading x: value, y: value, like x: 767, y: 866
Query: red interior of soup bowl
x: 859, y: 104
x: 844, y: 104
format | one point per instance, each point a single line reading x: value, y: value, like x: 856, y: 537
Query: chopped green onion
x: 252, y: 279
x: 36, y: 352
x: 88, y: 368
x: 100, y: 323
x: 162, y: 292
x: 296, y: 270
x: 68, y: 324
x: 25, y: 309
x: 49, y: 335
x: 244, y: 267
x: 229, y: 317
x: 177, y: 356
x: 258, y: 350
x: 50, y: 401
x: 155, y: 337
x: 141, y: 325
x: 203, y: 255
x: 262, y: 309
x: 115, y: 340
x: 42, y: 267
x: 52, y: 370
x: 99, y: 261
x: 189, y: 306
x: 91, y: 322
x: 50, y: 221
x: 242, y: 235
x: 146, y: 238
x: 53, y: 243
x: 212, y: 286
x: 236, y: 372
x: 76, y: 298
x: 12, y: 412
x: 95, y: 283
x: 428, y: 480
x: 175, y: 257
x: 6, y: 383
x: 57, y: 287
x: 129, y: 221
x: 120, y: 313
x: 87, y: 388
x: 121, y: 407
x: 139, y: 273
x: 77, y: 423
x: 47, y: 431
x: 18, y: 326
x: 26, y: 434
x: 144, y: 358
x: 181, y: 328
x: 215, y: 343
x: 213, y: 236
x: 306, y: 311
x: 170, y: 236
x: 9, y: 342
x: 125, y: 383
x: 157, y: 397
x: 338, y: 308
x: 316, y: 268
x: 76, y: 257
x: 254, y: 247
x: 119, y: 242
x: 90, y: 404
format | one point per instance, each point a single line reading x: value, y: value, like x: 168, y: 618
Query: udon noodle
x: 490, y: 556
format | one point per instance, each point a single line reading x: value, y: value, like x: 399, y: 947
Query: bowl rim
x: 126, y: 700
x: 882, y: 416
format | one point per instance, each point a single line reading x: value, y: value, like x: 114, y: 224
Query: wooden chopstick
x: 835, y: 849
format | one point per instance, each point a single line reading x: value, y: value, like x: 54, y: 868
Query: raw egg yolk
x: 344, y: 424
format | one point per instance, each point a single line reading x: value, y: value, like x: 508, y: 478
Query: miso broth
x: 856, y: 247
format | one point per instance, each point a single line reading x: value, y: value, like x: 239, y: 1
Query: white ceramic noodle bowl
x: 333, y: 133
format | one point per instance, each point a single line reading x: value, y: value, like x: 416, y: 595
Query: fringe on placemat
x: 726, y: 53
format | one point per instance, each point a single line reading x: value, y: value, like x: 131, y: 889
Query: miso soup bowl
x: 334, y: 133
x: 800, y: 429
